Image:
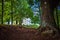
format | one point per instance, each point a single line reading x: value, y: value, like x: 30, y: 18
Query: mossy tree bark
x: 47, y: 16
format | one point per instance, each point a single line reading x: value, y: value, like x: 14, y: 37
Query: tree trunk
x: 8, y: 21
x: 2, y: 11
x: 20, y: 22
x: 11, y: 12
x: 47, y: 16
x: 16, y: 22
x: 57, y: 17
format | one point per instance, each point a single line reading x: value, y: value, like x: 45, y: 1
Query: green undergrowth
x: 24, y: 26
x: 31, y: 26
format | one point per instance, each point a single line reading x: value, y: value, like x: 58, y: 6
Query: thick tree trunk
x: 47, y: 15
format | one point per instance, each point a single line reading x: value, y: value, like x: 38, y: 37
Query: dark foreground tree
x: 48, y: 13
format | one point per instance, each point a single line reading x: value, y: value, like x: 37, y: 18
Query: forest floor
x: 9, y: 32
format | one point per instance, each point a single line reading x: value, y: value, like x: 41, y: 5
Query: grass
x: 31, y: 26
x: 25, y: 26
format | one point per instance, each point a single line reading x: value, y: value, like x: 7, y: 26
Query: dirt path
x: 19, y: 33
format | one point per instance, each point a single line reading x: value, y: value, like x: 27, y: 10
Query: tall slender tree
x: 57, y: 17
x: 11, y: 12
x: 2, y: 11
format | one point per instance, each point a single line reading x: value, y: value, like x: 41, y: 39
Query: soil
x: 9, y: 32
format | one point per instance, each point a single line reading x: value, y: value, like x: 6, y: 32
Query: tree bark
x: 11, y: 12
x: 57, y: 18
x: 20, y: 21
x: 47, y: 16
x: 2, y: 11
x: 16, y: 21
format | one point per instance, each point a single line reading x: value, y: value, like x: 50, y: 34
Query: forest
x: 29, y: 20
x: 12, y: 10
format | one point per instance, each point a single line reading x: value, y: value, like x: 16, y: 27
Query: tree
x: 47, y: 16
x: 2, y: 11
x: 16, y: 10
x: 21, y: 8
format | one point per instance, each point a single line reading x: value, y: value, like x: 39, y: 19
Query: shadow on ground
x: 8, y: 32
